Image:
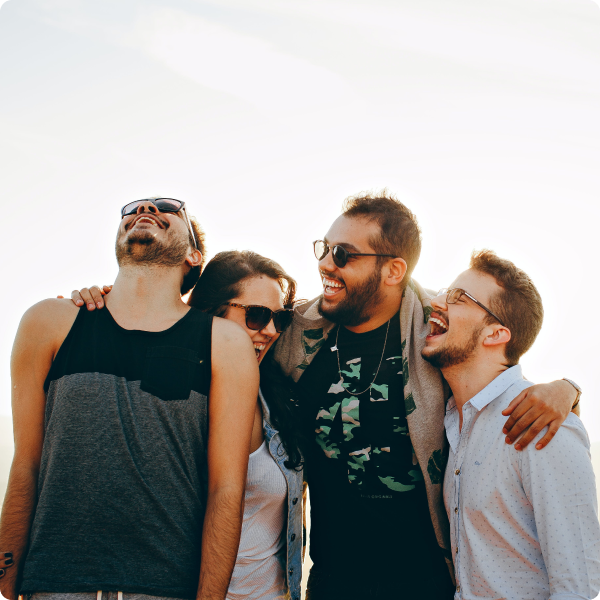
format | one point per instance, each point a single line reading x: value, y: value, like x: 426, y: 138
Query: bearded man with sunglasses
x: 123, y: 482
x: 522, y: 525
x: 373, y: 411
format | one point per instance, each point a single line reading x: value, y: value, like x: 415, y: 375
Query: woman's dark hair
x: 223, y: 280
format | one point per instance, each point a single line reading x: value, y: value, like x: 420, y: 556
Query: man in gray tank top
x: 122, y: 480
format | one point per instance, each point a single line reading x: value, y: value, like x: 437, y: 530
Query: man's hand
x: 542, y: 405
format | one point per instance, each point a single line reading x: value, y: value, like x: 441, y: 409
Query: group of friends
x: 163, y: 448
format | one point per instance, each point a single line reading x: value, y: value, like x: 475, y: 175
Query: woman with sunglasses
x: 258, y: 294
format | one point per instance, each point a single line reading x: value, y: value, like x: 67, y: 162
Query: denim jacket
x: 294, y: 505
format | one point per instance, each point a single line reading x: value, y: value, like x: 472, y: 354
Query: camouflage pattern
x: 343, y: 439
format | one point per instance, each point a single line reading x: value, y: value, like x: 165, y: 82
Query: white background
x: 263, y: 115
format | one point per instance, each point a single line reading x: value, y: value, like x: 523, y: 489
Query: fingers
x: 106, y: 289
x: 91, y: 297
x: 508, y: 410
x: 532, y: 432
x: 6, y: 560
x: 97, y: 294
x: 520, y: 408
x: 1, y: 573
x: 552, y: 429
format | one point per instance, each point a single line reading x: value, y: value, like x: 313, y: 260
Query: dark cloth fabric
x: 123, y: 479
x: 370, y: 522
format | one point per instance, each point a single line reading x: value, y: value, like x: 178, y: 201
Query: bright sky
x: 263, y: 115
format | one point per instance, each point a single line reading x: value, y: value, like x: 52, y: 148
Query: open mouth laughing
x: 331, y: 287
x: 439, y: 325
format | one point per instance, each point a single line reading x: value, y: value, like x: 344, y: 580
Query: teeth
x: 260, y: 347
x: 440, y: 323
x: 331, y: 283
x: 147, y: 220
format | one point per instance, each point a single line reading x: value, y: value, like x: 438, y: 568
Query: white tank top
x: 259, y: 570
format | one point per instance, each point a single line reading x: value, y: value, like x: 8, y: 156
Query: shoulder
x: 50, y: 317
x: 226, y: 333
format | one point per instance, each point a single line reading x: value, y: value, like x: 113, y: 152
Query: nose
x: 269, y: 329
x: 147, y: 207
x: 326, y: 263
x: 439, y: 302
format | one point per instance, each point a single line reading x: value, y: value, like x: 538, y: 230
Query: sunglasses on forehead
x: 258, y: 317
x: 164, y: 205
x: 339, y: 254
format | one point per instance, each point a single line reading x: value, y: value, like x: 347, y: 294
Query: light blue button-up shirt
x: 523, y: 525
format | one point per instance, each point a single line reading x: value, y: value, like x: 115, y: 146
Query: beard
x: 451, y: 355
x: 141, y: 248
x: 359, y: 305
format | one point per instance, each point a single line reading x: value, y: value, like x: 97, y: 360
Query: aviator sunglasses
x: 339, y: 254
x: 455, y: 294
x: 258, y: 317
x: 164, y: 205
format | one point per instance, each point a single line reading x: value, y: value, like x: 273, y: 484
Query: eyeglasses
x: 455, y: 294
x: 339, y: 254
x: 164, y: 205
x: 258, y: 317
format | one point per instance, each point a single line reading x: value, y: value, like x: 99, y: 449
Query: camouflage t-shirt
x: 366, y: 488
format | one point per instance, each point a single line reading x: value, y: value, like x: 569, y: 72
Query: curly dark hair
x: 221, y: 281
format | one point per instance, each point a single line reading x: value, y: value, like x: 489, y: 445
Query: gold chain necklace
x: 376, y: 372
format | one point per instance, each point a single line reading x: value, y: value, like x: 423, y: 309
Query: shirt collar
x: 496, y: 387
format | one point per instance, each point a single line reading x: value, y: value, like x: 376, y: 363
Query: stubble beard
x: 141, y: 248
x: 359, y: 305
x: 452, y: 355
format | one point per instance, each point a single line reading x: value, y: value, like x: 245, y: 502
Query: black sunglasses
x: 164, y: 205
x: 258, y: 317
x: 455, y: 294
x: 339, y: 254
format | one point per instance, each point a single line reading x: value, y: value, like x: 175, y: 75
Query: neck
x: 467, y: 379
x: 147, y: 297
x: 385, y: 311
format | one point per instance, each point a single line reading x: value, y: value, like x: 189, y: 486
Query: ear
x: 396, y: 270
x: 500, y: 335
x: 194, y: 258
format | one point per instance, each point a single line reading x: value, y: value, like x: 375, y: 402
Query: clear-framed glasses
x: 455, y: 294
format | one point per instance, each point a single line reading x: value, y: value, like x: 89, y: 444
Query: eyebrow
x: 345, y: 245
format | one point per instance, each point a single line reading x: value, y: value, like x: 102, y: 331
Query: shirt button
x: 291, y: 571
x: 458, y: 588
x: 457, y: 472
x: 295, y: 501
x: 293, y: 537
x: 456, y: 549
x: 456, y: 509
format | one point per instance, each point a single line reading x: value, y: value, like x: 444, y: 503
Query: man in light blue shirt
x: 523, y: 525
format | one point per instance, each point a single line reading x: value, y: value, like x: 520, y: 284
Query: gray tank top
x: 123, y: 478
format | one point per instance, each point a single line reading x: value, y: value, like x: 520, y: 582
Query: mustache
x: 163, y: 222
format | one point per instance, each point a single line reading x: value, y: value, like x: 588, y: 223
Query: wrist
x: 577, y: 389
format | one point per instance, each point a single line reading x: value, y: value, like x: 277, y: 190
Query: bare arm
x: 539, y: 406
x: 39, y: 336
x: 233, y: 394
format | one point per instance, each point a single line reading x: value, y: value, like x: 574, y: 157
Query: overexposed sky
x: 483, y: 116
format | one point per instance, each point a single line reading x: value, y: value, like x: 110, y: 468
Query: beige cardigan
x: 425, y: 391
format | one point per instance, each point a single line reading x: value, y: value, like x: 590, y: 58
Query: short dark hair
x: 518, y: 304
x: 191, y: 277
x: 400, y: 233
x: 221, y: 281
